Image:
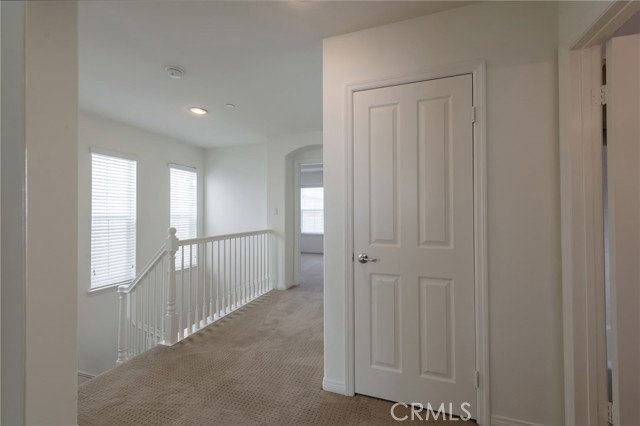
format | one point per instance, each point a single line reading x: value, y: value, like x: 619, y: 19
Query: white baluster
x: 232, y: 249
x: 261, y: 265
x: 190, y: 301
x: 212, y: 315
x: 218, y: 281
x: 138, y: 309
x: 239, y: 271
x: 183, y: 307
x: 163, y: 297
x: 205, y: 292
x: 202, y: 276
x: 122, y: 326
x: 254, y: 263
x: 245, y: 271
x: 171, y: 318
x: 154, y: 308
x: 130, y: 322
x: 202, y: 287
x: 157, y: 287
x: 235, y: 274
x: 223, y: 283
x: 226, y: 281
x: 147, y: 322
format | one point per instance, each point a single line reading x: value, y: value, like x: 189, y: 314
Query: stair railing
x: 188, y: 285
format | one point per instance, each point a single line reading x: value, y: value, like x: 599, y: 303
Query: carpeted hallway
x: 259, y: 366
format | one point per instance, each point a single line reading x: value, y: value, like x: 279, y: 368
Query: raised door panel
x: 383, y: 174
x: 385, y: 322
x: 434, y: 158
x: 436, y: 329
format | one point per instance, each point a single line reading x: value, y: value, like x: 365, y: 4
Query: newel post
x: 122, y: 327
x: 171, y: 318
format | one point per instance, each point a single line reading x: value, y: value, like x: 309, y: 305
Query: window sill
x: 312, y: 233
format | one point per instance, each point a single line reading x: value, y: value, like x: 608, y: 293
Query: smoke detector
x: 174, y: 72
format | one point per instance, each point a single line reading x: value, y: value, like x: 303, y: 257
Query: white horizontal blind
x: 113, y: 220
x: 312, y: 210
x: 184, y: 210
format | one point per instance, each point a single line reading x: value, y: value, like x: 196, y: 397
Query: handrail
x: 199, y: 240
x: 127, y: 288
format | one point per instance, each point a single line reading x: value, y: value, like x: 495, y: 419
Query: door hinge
x: 476, y: 379
x: 353, y: 257
x: 610, y: 412
x: 473, y: 114
x: 599, y: 95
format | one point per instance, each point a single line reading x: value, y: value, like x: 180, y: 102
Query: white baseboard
x: 506, y: 421
x: 334, y: 386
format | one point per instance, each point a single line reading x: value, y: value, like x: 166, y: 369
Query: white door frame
x: 297, y: 186
x: 477, y: 70
x: 581, y: 218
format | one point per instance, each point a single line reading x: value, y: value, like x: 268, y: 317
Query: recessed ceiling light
x: 198, y: 110
x: 230, y: 106
x: 174, y: 72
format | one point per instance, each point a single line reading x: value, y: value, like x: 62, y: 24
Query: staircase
x: 188, y: 285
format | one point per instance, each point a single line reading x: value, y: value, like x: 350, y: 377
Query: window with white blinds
x: 113, y: 220
x: 312, y: 210
x: 184, y: 210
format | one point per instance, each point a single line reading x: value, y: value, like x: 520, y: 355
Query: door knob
x: 364, y: 258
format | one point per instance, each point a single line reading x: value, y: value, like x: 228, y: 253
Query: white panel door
x: 623, y: 165
x: 413, y: 212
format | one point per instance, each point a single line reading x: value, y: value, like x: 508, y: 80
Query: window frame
x: 302, y: 232
x: 123, y: 156
x: 193, y: 262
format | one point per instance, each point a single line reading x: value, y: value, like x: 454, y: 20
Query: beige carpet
x: 259, y: 366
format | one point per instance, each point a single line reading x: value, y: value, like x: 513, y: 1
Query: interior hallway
x: 261, y: 365
x: 311, y: 271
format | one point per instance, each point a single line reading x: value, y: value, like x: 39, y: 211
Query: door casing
x: 581, y: 187
x: 478, y: 70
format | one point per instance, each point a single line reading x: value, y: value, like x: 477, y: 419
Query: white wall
x: 312, y: 243
x: 281, y: 152
x: 519, y: 42
x: 51, y: 146
x: 13, y: 155
x: 98, y: 311
x: 235, y: 189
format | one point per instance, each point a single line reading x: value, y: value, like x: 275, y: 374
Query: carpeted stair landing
x: 259, y: 366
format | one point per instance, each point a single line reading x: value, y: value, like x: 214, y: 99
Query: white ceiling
x: 263, y: 56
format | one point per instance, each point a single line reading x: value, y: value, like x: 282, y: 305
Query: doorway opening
x: 310, y: 226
